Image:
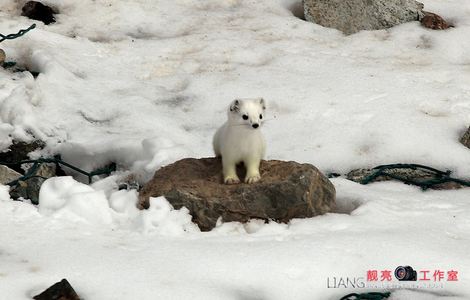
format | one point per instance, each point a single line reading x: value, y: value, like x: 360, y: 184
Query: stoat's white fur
x: 240, y: 139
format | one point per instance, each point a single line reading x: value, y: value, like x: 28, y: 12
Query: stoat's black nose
x: 255, y: 125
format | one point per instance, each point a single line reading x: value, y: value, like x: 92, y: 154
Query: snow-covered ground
x: 145, y: 83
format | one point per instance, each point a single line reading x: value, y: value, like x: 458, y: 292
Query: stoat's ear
x: 262, y: 102
x: 235, y: 105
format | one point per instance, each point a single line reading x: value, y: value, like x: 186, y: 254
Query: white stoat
x: 240, y: 140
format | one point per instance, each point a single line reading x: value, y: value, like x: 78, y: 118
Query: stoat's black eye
x: 260, y: 116
x: 245, y: 117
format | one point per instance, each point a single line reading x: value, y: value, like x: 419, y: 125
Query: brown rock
x: 286, y: 190
x: 2, y: 57
x: 434, y: 21
x: 59, y: 291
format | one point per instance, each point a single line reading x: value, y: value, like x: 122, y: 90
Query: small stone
x: 46, y: 170
x: 2, y: 56
x: 29, y: 188
x: 351, y: 16
x: 433, y: 21
x: 286, y: 190
x: 130, y: 182
x: 465, y: 139
x: 358, y: 175
x: 59, y: 291
x: 38, y: 11
x: 8, y: 175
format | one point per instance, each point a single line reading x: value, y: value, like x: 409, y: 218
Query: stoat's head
x: 249, y: 112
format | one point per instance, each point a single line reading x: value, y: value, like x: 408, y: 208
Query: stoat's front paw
x: 252, y: 178
x: 231, y: 180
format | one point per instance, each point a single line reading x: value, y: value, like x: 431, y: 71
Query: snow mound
x: 162, y: 218
x: 65, y: 198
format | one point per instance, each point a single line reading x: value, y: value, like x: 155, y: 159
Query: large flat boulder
x: 351, y: 16
x: 287, y: 190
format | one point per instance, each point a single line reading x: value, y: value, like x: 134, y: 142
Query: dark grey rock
x: 286, y: 190
x: 61, y: 290
x: 38, y: 11
x: 29, y: 188
x: 19, y: 151
x: 408, y: 174
x: 465, y: 139
x: 351, y: 16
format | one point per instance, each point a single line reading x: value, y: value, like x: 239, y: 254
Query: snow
x: 159, y: 253
x: 144, y: 83
x: 65, y: 198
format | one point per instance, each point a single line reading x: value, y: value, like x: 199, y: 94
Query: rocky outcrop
x: 287, y: 190
x: 351, y: 16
